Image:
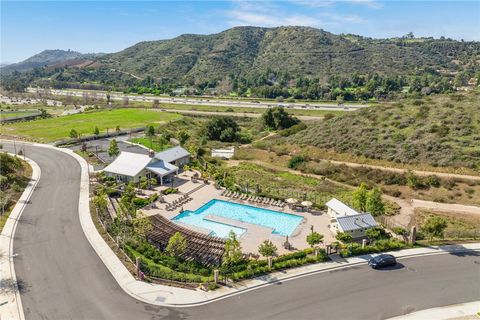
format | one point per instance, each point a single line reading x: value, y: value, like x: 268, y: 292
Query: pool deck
x: 254, y: 234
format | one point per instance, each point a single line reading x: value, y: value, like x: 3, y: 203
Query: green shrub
x: 296, y: 161
x: 169, y: 191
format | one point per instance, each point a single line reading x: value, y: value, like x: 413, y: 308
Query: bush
x: 293, y: 129
x: 296, y: 161
x: 344, y: 237
x: 355, y: 249
x: 169, y: 191
x: 400, y: 231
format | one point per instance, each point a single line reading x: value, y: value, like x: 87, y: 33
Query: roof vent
x: 151, y: 153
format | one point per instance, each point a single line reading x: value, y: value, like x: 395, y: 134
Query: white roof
x: 356, y: 222
x: 162, y: 168
x: 172, y: 154
x: 341, y: 208
x: 128, y: 164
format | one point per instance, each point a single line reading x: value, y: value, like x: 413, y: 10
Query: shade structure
x: 307, y: 203
x: 291, y: 200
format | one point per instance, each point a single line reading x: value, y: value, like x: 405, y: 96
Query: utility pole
x: 15, y: 147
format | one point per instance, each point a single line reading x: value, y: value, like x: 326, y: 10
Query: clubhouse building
x: 162, y: 165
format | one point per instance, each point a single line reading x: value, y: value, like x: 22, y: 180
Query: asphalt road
x: 61, y: 277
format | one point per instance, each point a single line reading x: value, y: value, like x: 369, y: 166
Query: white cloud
x: 266, y: 14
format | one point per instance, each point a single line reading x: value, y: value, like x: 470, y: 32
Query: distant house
x: 223, y: 153
x: 347, y: 219
x: 130, y: 166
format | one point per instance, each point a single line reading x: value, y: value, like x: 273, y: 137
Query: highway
x: 61, y: 277
x: 205, y: 101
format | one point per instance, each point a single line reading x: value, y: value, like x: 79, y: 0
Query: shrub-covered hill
x: 440, y: 131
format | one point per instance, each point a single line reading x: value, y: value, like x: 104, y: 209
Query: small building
x: 223, y: 153
x: 130, y: 166
x: 355, y: 225
x: 336, y: 208
x: 346, y: 219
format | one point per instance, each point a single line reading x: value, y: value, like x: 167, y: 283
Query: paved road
x: 206, y: 101
x: 62, y: 277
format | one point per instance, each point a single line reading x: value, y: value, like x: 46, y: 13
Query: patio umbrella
x: 307, y: 203
x: 291, y: 200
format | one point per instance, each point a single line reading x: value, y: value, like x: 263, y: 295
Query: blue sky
x: 108, y: 26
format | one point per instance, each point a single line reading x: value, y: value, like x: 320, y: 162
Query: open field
x: 459, y: 225
x: 48, y: 130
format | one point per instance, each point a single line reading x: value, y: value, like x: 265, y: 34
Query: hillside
x: 45, y: 58
x: 440, y: 131
x: 300, y: 51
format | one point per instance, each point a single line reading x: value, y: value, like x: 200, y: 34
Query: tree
x: 376, y: 233
x: 359, y: 197
x: 233, y: 250
x: 222, y: 128
x: 150, y: 131
x: 96, y: 131
x: 177, y: 244
x: 113, y: 149
x: 344, y: 237
x: 267, y: 249
x: 277, y: 119
x: 73, y: 134
x: 435, y: 227
x: 374, y: 203
x: 314, y: 238
x: 117, y: 128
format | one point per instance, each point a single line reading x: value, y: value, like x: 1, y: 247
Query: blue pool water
x: 281, y: 223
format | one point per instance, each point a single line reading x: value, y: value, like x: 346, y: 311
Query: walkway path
x: 417, y: 172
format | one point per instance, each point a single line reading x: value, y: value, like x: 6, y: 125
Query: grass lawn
x: 47, y: 130
x: 155, y: 144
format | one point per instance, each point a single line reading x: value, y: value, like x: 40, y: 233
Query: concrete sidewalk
x: 10, y: 302
x: 462, y: 311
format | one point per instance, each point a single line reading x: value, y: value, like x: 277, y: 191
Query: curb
x: 9, y: 232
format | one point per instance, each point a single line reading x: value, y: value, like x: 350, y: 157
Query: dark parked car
x: 381, y: 261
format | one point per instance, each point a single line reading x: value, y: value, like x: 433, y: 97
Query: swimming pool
x: 281, y: 223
